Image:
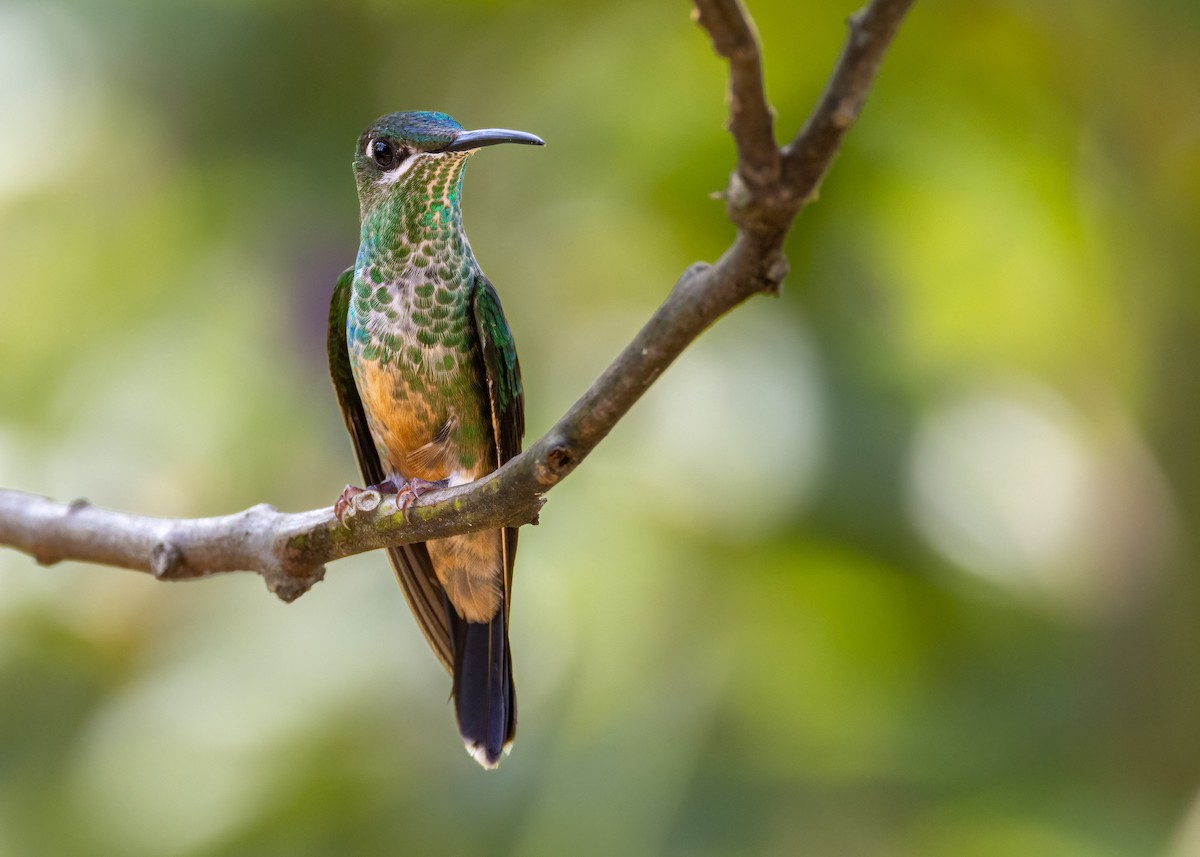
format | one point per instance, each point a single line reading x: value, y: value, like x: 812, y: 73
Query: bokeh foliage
x: 899, y: 564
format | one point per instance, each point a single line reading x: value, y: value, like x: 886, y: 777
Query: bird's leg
x: 344, y: 506
x: 411, y: 490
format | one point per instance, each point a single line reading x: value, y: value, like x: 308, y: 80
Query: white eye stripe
x: 393, y: 175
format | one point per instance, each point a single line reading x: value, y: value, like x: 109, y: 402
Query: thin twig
x: 290, y: 551
x: 751, y: 119
x: 807, y: 157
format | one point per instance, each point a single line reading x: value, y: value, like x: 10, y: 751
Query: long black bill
x: 490, y: 137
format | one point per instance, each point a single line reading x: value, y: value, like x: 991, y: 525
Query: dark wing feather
x: 506, y: 399
x: 411, y: 563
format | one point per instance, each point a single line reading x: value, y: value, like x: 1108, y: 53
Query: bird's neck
x: 414, y: 230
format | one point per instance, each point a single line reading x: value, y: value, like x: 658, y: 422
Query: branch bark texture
x: 767, y: 189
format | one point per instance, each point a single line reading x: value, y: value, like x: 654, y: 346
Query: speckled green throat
x: 414, y: 269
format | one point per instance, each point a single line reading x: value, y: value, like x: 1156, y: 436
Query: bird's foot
x: 412, y: 490
x: 354, y: 499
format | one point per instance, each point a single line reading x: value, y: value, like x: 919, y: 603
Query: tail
x: 484, y: 698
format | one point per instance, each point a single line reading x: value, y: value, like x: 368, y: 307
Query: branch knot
x: 166, y: 562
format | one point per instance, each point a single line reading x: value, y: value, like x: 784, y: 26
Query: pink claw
x: 344, y: 502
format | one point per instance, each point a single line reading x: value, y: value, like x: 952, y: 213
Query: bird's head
x: 419, y: 154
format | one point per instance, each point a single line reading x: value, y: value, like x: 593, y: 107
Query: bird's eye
x: 382, y: 153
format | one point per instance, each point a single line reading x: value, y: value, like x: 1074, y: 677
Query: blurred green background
x: 901, y: 563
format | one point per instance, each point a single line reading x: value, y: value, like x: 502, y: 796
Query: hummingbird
x: 426, y: 373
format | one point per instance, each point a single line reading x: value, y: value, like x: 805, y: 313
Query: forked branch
x: 767, y: 189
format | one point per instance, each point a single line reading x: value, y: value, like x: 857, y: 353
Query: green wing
x: 506, y: 399
x: 411, y: 563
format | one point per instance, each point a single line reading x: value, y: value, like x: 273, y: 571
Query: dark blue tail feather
x: 484, y: 699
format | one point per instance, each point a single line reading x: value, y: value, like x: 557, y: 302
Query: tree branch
x: 766, y: 191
